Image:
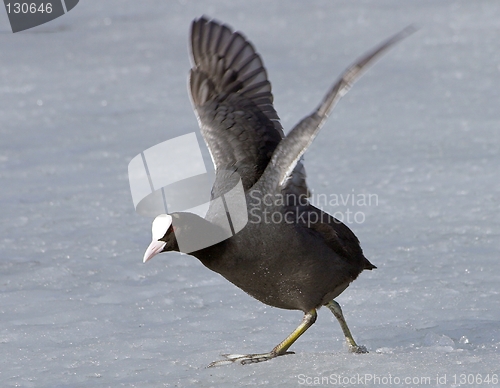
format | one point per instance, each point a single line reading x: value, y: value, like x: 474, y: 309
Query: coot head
x: 163, y: 237
x: 183, y: 232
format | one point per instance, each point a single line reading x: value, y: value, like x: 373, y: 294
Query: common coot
x: 290, y: 254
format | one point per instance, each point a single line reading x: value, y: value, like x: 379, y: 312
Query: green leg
x: 337, y: 311
x: 279, y: 350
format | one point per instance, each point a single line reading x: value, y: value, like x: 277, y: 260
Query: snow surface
x: 82, y: 95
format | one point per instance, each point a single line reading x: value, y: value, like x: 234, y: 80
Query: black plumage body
x: 300, y: 263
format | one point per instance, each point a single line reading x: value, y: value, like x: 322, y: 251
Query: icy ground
x: 84, y: 94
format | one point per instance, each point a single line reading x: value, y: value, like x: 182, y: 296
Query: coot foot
x: 337, y: 311
x: 358, y: 349
x: 244, y: 359
x: 280, y: 350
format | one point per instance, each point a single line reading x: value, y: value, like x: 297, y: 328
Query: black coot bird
x: 290, y: 254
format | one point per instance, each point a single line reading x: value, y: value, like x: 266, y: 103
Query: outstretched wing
x: 232, y: 98
x: 287, y: 155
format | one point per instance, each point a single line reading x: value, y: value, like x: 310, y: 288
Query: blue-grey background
x: 82, y: 95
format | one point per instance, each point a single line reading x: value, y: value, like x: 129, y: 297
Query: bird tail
x: 368, y: 265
